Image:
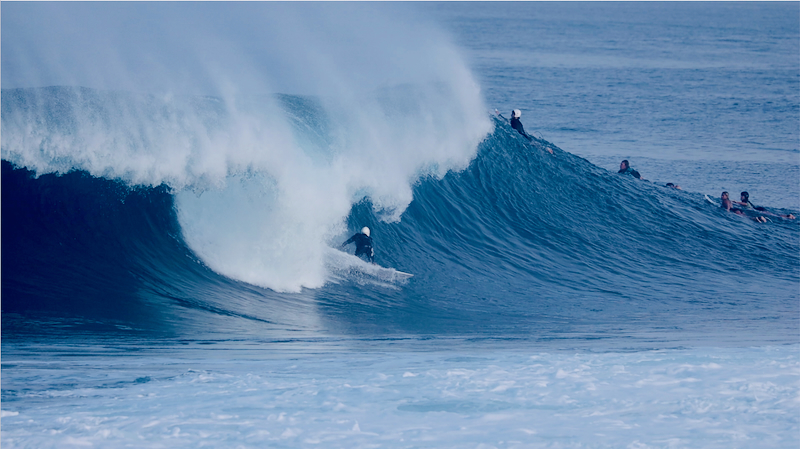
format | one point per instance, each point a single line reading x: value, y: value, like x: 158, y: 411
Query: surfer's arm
x: 350, y: 240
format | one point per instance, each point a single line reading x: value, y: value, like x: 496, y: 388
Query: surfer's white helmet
x: 365, y: 231
x: 516, y: 113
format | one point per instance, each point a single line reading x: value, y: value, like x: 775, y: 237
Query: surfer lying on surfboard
x: 363, y: 245
x: 727, y: 204
x: 746, y: 204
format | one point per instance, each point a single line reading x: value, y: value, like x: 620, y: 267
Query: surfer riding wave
x: 363, y: 243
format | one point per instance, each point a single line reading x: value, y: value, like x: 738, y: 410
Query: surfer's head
x: 624, y: 165
x: 365, y: 231
x: 516, y: 113
x: 726, y: 202
x: 745, y: 197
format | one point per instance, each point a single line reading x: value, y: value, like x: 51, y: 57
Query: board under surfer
x: 363, y: 245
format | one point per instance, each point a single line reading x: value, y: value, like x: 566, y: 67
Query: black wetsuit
x: 363, y: 246
x: 631, y: 172
x: 516, y: 124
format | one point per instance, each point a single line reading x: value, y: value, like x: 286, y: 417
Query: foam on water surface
x: 383, y: 396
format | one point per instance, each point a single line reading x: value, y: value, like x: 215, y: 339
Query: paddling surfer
x: 727, y: 204
x: 625, y: 168
x: 517, y: 125
x: 746, y: 204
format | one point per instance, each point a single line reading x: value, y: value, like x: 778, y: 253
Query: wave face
x: 199, y: 215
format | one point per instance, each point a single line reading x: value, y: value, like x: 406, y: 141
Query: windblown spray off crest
x: 263, y: 183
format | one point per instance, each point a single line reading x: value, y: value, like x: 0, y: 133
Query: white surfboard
x: 711, y: 201
x: 351, y: 262
x: 390, y: 274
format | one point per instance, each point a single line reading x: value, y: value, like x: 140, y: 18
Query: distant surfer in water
x: 363, y: 245
x: 517, y: 125
x: 746, y: 204
x: 625, y: 167
x: 727, y: 204
x: 674, y: 186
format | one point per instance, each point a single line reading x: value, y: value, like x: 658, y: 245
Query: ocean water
x: 177, y: 180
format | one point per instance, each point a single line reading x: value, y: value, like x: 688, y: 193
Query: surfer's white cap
x: 365, y: 231
x: 516, y: 113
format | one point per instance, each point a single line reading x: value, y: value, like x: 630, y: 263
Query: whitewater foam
x: 475, y: 397
x: 270, y: 226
